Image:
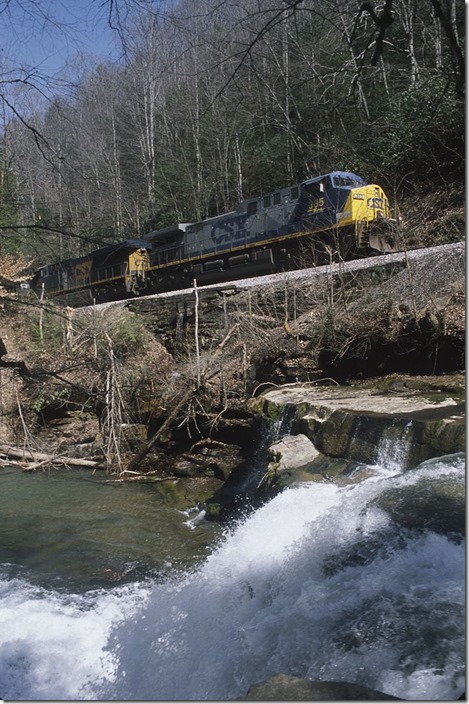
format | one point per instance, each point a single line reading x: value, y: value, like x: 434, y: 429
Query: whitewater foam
x: 318, y: 583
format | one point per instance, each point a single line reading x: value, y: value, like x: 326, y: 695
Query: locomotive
x: 109, y: 273
x: 337, y: 214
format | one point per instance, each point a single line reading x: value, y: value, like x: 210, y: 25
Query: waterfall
x: 282, y: 425
x: 394, y: 447
x: 318, y: 583
x: 266, y: 433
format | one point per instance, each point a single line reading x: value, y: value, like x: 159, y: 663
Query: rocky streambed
x: 346, y: 436
x: 307, y: 432
x: 328, y: 431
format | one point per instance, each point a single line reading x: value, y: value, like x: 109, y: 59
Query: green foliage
x: 54, y: 398
x: 129, y: 335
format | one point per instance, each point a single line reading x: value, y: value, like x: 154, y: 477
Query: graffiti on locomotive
x: 229, y: 229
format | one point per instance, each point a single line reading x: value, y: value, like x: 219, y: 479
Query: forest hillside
x: 211, y: 103
x: 208, y: 104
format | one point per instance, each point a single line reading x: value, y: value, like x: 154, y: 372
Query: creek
x: 319, y: 583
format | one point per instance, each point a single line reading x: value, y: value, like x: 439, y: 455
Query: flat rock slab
x: 352, y: 423
x: 323, y: 402
x: 293, y: 452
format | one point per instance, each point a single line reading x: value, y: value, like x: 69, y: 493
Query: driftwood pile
x: 30, y: 460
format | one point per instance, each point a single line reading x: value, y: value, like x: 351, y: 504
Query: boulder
x: 186, y: 492
x: 292, y: 452
x: 209, y: 458
x: 292, y: 460
x: 430, y: 504
x: 284, y: 688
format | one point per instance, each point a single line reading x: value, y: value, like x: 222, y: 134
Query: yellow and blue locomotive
x: 334, y: 215
x: 109, y: 273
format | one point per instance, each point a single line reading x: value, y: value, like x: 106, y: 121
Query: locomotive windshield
x: 348, y: 180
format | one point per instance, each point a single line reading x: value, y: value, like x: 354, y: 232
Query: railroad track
x: 299, y: 274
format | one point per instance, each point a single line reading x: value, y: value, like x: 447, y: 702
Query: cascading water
x: 318, y: 583
x: 394, y: 448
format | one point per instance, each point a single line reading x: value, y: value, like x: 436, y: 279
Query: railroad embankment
x: 157, y: 388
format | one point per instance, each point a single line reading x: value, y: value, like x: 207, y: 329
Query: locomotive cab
x: 138, y: 266
x: 105, y: 273
x: 124, y: 264
x: 343, y: 200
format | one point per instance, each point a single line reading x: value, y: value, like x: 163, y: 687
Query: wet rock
x: 203, y: 475
x: 292, y: 452
x: 208, y: 458
x: 184, y: 493
x: 430, y: 504
x: 284, y: 688
x: 352, y: 422
x: 213, y: 511
x: 290, y: 462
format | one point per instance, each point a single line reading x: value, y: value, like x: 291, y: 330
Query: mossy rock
x: 446, y: 436
x: 213, y: 511
x: 329, y: 468
x: 183, y: 493
x: 430, y: 504
x: 285, y: 688
x: 321, y: 469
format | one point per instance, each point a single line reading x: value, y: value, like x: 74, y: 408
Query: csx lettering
x: 375, y: 203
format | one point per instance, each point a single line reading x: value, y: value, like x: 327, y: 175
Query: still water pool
x: 74, y: 528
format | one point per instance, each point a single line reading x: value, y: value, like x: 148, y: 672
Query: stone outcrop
x: 352, y: 424
x: 291, y: 460
x: 208, y: 458
x: 284, y: 688
x: 293, y: 452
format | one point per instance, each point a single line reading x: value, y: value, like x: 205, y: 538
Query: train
x: 336, y: 215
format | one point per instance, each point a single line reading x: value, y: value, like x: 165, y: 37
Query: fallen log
x: 9, y: 452
x: 142, y: 478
